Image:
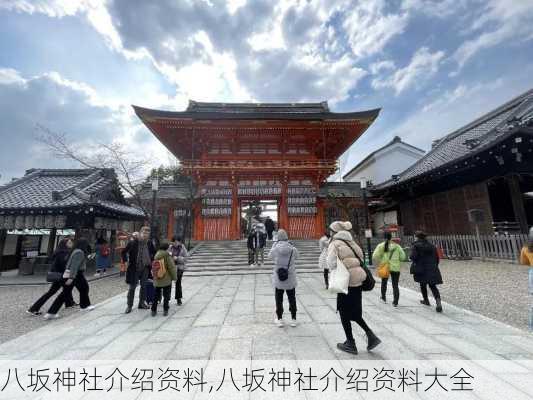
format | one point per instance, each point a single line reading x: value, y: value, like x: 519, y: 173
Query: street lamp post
x: 155, y: 188
x: 368, y: 230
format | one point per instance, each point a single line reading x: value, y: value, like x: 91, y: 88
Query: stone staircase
x: 231, y: 258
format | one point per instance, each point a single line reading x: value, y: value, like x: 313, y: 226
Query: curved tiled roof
x: 471, y: 138
x: 63, y: 188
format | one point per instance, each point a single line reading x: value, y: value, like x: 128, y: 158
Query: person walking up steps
x: 59, y: 264
x: 179, y: 253
x: 163, y: 277
x: 270, y: 226
x: 260, y: 240
x: 389, y: 255
x: 425, y: 268
x: 284, y: 255
x: 251, y: 244
x: 350, y: 307
x: 74, y: 275
x: 323, y: 244
x: 139, y: 254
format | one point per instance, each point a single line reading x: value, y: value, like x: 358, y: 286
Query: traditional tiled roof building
x: 486, y: 165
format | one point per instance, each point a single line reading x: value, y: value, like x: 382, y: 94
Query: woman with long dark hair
x: 59, y: 263
x: 74, y: 275
x: 425, y: 269
x: 391, y: 254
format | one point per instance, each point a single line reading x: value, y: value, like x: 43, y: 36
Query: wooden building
x: 486, y: 165
x: 49, y: 200
x: 236, y: 153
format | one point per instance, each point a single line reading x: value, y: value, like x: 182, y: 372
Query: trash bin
x: 26, y: 265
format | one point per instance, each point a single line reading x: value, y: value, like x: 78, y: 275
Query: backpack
x: 283, y: 273
x: 158, y: 268
x: 104, y: 250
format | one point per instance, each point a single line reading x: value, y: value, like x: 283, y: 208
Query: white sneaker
x: 278, y: 322
x: 88, y: 308
x: 97, y: 275
x: 48, y: 316
x: 294, y: 323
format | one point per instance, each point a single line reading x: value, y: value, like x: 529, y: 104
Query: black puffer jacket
x: 59, y: 260
x: 425, y: 266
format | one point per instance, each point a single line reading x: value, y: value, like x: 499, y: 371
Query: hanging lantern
x: 29, y: 222
x: 60, y: 221
x: 38, y: 222
x: 49, y: 221
x: 9, y: 222
x: 19, y: 222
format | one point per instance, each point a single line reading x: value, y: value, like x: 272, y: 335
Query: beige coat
x: 340, y: 249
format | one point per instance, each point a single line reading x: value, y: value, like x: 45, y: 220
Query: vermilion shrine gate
x: 242, y: 152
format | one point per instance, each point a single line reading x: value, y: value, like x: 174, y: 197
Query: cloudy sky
x: 76, y: 66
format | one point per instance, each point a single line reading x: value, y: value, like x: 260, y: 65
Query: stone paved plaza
x: 231, y: 318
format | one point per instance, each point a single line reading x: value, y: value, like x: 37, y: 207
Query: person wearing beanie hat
x: 350, y: 307
x: 526, y: 255
x: 284, y: 255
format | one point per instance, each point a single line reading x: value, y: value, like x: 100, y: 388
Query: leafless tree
x: 131, y: 171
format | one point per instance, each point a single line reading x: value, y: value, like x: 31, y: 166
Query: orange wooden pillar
x: 170, y: 223
x: 320, y: 219
x: 198, y: 221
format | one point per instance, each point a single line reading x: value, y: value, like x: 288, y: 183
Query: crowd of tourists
x: 152, y: 267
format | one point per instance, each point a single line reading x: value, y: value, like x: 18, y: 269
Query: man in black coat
x: 139, y: 254
x: 269, y: 225
x: 425, y: 268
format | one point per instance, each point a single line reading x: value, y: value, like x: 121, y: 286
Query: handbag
x: 369, y: 282
x: 339, y: 279
x: 383, y: 270
x: 53, y: 277
x: 283, y: 273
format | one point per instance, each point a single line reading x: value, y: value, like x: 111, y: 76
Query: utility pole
x: 368, y: 230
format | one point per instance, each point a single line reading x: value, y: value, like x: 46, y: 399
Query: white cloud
x: 384, y: 65
x: 52, y: 8
x: 369, y: 28
x: 63, y: 106
x: 423, y: 65
x: 459, y: 106
x: 502, y: 20
x: 438, y: 8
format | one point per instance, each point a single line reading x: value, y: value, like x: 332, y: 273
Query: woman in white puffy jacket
x: 349, y: 305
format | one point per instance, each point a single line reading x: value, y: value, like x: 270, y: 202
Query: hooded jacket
x: 337, y: 248
x: 281, y: 253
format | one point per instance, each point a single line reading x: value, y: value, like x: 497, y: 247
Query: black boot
x: 348, y: 347
x: 425, y: 302
x: 439, y: 306
x: 373, y: 341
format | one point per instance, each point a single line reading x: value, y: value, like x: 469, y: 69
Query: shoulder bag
x: 369, y: 282
x: 283, y: 273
